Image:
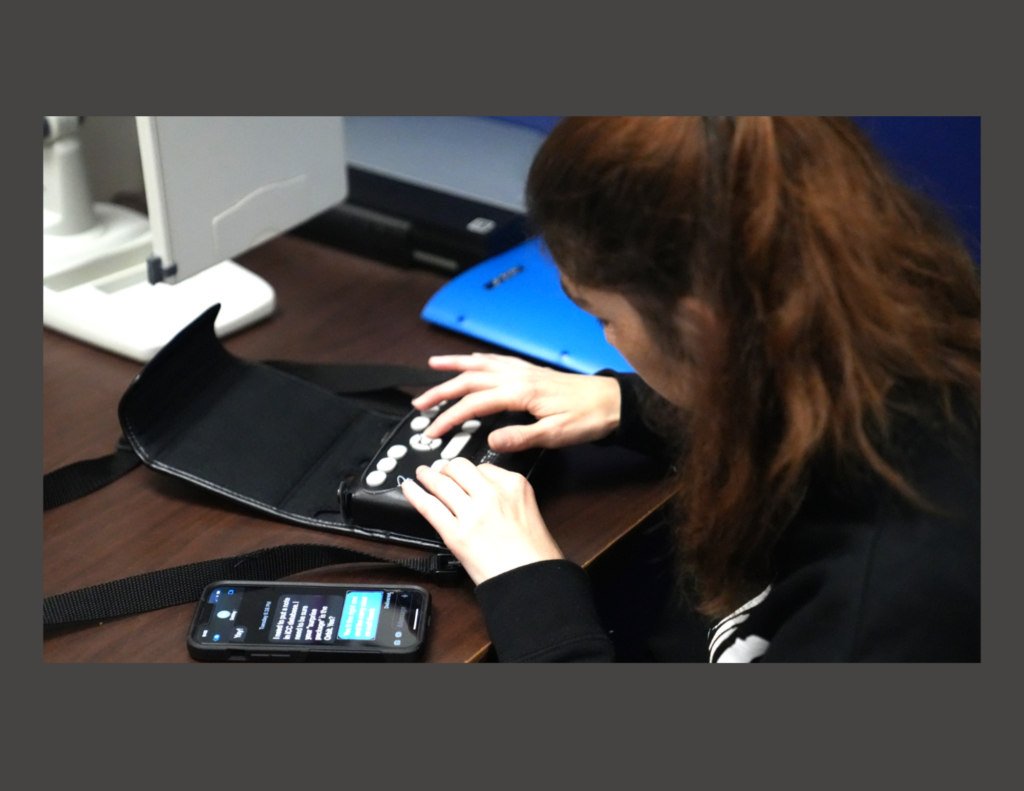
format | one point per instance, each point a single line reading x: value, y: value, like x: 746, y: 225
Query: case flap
x: 252, y: 432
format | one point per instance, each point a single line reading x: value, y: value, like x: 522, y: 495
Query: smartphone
x: 309, y: 622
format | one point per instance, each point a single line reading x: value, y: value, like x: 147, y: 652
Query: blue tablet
x: 515, y: 301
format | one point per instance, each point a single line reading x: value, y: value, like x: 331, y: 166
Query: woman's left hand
x: 487, y: 516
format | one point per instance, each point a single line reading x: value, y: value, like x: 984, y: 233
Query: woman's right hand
x: 570, y: 408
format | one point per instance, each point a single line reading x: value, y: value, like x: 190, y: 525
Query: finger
x: 488, y: 361
x: 545, y: 433
x: 511, y: 439
x: 453, y: 362
x: 496, y: 476
x: 455, y: 388
x: 429, y: 507
x: 444, y: 487
x: 473, y: 405
x: 478, y: 361
x: 468, y: 477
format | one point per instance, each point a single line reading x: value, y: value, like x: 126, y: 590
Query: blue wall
x: 939, y: 155
x: 542, y: 122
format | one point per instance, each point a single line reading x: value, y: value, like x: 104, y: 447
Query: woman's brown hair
x: 834, y: 288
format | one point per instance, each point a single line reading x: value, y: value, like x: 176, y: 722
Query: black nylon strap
x: 156, y: 590
x: 80, y: 478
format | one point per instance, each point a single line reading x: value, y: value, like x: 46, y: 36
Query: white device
x: 215, y: 187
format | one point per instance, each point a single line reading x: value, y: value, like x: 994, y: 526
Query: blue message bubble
x: 361, y: 615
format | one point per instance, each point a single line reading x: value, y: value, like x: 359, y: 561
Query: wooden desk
x: 332, y: 307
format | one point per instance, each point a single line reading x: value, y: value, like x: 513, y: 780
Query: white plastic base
x: 95, y: 289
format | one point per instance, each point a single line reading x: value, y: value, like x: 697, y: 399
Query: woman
x: 807, y: 339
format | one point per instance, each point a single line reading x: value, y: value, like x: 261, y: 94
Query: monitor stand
x: 95, y: 281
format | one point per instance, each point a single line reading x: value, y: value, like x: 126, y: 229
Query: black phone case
x: 228, y: 652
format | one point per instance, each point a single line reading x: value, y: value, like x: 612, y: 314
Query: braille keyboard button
x: 397, y: 451
x: 376, y: 478
x: 419, y: 423
x: 387, y: 464
x: 439, y: 465
x: 455, y: 446
x: 421, y: 443
x: 471, y: 426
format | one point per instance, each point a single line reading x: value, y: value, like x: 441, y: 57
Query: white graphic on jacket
x: 725, y: 647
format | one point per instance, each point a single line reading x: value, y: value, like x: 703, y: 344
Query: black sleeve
x: 544, y: 612
x: 633, y: 432
x: 904, y: 598
x: 864, y: 576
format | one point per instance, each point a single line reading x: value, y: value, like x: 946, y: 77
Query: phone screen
x: 283, y: 614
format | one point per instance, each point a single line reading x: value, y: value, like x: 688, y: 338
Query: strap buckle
x: 449, y: 569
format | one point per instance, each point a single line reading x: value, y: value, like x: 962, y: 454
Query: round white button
x: 471, y: 426
x: 387, y: 464
x: 421, y: 443
x: 397, y: 451
x: 419, y: 423
x: 376, y: 478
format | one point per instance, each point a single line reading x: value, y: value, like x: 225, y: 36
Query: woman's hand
x: 486, y: 515
x: 570, y: 408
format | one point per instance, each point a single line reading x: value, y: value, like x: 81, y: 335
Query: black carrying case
x: 262, y: 436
